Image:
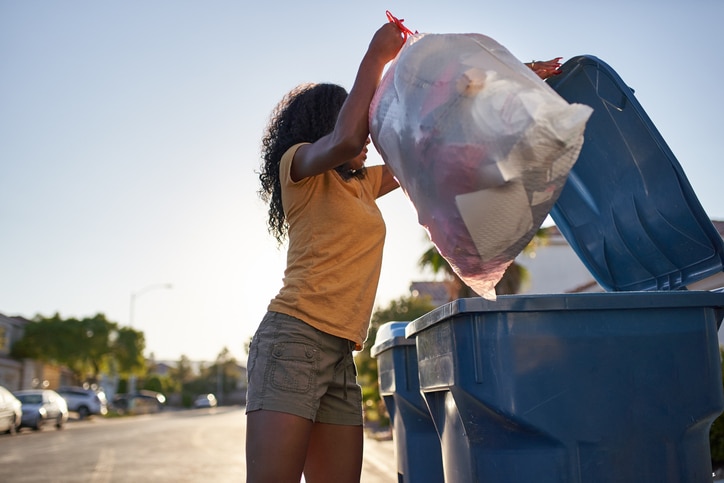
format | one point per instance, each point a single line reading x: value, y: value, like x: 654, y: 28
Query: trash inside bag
x: 480, y: 145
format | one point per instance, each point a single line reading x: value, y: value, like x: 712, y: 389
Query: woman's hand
x: 547, y: 68
x: 347, y: 143
x: 387, y: 41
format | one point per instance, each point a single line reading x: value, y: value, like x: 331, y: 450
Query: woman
x: 304, y: 407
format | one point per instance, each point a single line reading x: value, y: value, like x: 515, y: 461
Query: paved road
x: 176, y: 446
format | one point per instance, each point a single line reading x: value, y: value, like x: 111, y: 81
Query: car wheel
x: 39, y: 424
x: 59, y: 422
x: 13, y: 428
x: 83, y: 412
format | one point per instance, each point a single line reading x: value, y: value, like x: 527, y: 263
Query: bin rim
x: 389, y: 335
x: 574, y: 301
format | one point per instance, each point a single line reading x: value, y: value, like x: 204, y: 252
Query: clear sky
x: 129, y: 139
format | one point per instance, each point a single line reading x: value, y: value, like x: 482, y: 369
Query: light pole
x: 138, y: 293
x: 131, y: 315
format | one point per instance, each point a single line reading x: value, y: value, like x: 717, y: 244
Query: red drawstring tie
x: 398, y: 21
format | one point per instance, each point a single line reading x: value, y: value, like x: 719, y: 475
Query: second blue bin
x: 417, y: 446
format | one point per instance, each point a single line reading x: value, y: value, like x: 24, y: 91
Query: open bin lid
x: 627, y: 209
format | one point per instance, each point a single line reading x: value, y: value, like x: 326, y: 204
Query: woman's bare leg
x: 276, y: 446
x: 334, y: 454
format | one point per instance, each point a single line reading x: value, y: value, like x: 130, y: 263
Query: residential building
x: 555, y: 268
x: 11, y: 330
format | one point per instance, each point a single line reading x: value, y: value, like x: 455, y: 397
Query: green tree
x: 127, y: 349
x: 38, y: 341
x: 97, y: 334
x: 156, y: 384
x: 86, y: 346
x: 220, y: 378
x: 180, y: 377
x: 403, y: 309
x: 183, y: 372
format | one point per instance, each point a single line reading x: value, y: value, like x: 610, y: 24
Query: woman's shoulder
x: 285, y: 165
x: 289, y: 153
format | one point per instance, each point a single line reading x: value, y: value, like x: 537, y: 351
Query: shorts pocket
x: 293, y: 366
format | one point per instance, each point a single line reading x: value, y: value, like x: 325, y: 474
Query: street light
x: 135, y: 295
x: 132, y: 310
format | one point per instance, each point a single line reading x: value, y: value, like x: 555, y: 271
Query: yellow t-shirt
x: 336, y: 235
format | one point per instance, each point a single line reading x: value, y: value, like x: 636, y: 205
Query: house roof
x: 14, y: 320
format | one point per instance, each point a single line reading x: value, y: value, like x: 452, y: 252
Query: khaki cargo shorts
x: 297, y: 369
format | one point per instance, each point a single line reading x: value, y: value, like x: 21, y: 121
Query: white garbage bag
x: 480, y: 145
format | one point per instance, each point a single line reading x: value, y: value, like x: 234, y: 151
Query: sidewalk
x: 379, y: 464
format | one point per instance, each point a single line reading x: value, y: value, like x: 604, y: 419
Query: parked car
x: 205, y: 401
x: 41, y: 406
x: 85, y: 402
x: 10, y: 411
x: 142, y: 402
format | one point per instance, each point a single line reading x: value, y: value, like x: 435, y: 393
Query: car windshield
x: 30, y: 398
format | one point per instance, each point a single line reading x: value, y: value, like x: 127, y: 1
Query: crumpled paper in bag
x: 480, y: 145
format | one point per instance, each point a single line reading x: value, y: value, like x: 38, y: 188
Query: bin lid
x: 390, y: 334
x: 546, y: 304
x: 627, y: 209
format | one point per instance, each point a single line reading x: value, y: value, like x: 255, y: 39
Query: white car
x: 10, y: 412
x: 85, y: 402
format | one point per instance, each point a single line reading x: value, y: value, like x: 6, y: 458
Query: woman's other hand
x: 546, y: 68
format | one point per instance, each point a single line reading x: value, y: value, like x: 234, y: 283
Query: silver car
x: 10, y: 412
x: 205, y: 401
x: 85, y: 402
x: 41, y: 406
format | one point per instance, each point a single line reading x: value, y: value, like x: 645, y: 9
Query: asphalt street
x: 185, y: 446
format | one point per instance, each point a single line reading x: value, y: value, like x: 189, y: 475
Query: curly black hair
x: 307, y: 113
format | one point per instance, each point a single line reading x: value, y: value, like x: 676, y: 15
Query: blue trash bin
x: 417, y: 446
x: 597, y: 387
